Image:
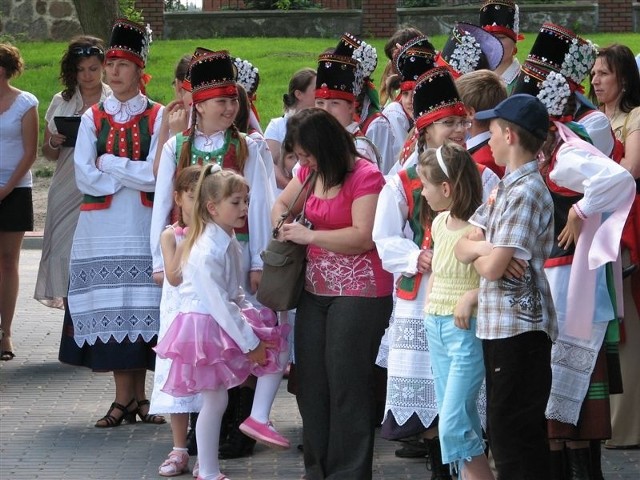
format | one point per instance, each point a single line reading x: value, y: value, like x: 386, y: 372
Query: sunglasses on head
x: 87, y: 51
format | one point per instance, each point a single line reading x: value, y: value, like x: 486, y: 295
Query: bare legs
x: 10, y: 244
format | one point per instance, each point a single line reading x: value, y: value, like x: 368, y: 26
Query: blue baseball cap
x: 525, y: 110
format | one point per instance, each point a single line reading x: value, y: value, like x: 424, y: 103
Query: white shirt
x: 11, y: 138
x: 400, y: 125
x: 381, y: 134
x: 211, y: 280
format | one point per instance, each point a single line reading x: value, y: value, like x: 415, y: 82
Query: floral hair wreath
x: 554, y: 93
x: 247, y: 74
x: 466, y: 55
x: 366, y: 57
x: 579, y: 60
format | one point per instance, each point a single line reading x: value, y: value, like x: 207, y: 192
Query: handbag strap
x: 287, y: 212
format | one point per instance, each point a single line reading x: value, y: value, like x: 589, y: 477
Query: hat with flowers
x: 413, y: 59
x: 129, y: 41
x: 213, y: 74
x: 501, y: 17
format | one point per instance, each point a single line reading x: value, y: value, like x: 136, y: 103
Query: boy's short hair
x: 527, y: 140
x: 481, y: 90
x: 527, y: 113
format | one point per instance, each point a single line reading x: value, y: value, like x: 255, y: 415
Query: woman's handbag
x: 284, y: 264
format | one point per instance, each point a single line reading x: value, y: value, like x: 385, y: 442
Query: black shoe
x: 412, y: 449
x: 237, y: 444
x: 192, y: 446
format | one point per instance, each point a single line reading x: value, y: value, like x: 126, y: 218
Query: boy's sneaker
x: 264, y: 433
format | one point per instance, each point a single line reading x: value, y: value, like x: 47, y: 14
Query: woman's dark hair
x: 400, y: 37
x: 242, y: 118
x: 182, y: 68
x: 79, y: 47
x: 299, y: 81
x: 620, y: 60
x: 318, y: 133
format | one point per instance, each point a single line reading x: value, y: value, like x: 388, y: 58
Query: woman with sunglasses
x: 81, y: 73
x: 113, y: 317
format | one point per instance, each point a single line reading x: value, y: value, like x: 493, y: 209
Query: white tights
x: 214, y: 403
x: 266, y: 390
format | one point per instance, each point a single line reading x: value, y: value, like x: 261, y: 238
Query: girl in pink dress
x: 218, y: 339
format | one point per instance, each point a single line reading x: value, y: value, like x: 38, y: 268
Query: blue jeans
x: 458, y: 371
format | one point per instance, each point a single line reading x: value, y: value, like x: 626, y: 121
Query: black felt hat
x: 412, y: 60
x: 213, y: 75
x: 501, y: 17
x: 336, y: 77
x: 129, y: 41
x: 436, y: 97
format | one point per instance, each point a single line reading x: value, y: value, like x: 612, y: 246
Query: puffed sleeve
x: 260, y: 203
x: 89, y: 179
x: 382, y: 136
x: 137, y: 175
x: 163, y: 200
x: 605, y: 184
x: 399, y: 254
x: 52, y: 111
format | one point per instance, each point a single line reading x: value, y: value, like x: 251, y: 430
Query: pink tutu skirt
x: 204, y: 357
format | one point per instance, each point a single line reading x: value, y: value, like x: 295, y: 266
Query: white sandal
x: 176, y: 464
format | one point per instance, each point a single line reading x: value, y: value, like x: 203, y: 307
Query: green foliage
x: 280, y: 4
x: 128, y: 10
x: 44, y: 171
x: 276, y: 58
x: 174, y: 6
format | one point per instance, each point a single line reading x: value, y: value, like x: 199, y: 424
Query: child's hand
x: 255, y: 276
x: 259, y: 354
x: 158, y: 278
x: 424, y: 260
x: 476, y: 234
x: 178, y: 121
x: 464, y: 308
x: 516, y: 268
x: 571, y: 231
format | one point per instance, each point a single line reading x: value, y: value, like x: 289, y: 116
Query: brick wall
x: 379, y: 18
x: 615, y: 16
x: 153, y: 13
x: 215, y: 5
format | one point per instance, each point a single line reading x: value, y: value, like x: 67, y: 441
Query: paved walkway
x: 47, y: 412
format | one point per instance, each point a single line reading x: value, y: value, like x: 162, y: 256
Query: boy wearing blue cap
x: 516, y: 316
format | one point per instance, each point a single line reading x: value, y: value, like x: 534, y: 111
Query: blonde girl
x: 452, y: 185
x: 218, y: 339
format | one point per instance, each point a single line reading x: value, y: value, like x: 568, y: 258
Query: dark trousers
x: 518, y: 371
x: 336, y: 341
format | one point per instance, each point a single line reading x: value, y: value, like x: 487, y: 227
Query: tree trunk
x: 96, y: 16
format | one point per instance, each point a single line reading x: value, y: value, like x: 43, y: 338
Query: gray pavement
x: 47, y: 412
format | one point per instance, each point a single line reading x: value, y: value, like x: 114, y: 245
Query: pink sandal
x: 176, y: 464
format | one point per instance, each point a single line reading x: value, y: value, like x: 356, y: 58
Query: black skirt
x: 106, y: 357
x: 16, y: 211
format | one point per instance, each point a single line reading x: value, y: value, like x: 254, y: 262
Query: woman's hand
x: 424, y: 260
x: 56, y: 140
x: 296, y: 233
x: 571, y: 231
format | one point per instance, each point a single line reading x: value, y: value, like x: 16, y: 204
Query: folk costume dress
x: 216, y: 326
x: 600, y: 191
x: 113, y: 300
x: 162, y: 402
x: 221, y: 148
x: 63, y: 209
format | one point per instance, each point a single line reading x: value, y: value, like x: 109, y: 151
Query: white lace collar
x: 511, y: 73
x: 123, y: 111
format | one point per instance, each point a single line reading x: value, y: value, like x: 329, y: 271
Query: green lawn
x: 276, y: 59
